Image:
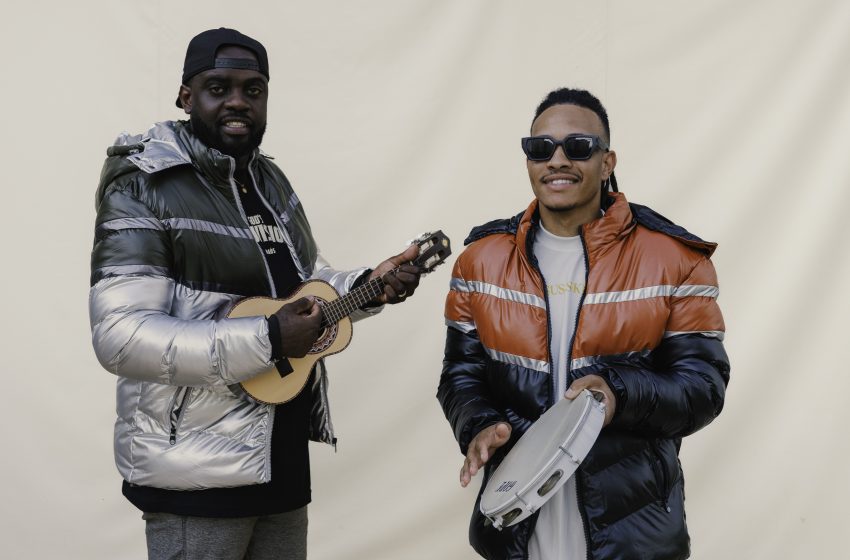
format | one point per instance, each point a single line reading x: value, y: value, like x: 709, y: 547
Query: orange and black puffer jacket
x: 648, y: 323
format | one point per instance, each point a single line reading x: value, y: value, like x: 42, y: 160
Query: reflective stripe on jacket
x: 172, y: 252
x: 648, y: 324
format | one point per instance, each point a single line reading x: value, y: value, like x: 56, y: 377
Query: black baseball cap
x: 200, y: 54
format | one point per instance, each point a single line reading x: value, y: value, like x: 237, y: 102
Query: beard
x: 233, y: 147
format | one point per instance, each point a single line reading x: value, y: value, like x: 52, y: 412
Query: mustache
x: 243, y: 117
x: 210, y: 135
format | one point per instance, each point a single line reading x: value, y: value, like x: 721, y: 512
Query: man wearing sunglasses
x: 192, y: 217
x: 584, y: 290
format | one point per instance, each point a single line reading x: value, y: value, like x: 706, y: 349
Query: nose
x: 236, y: 100
x: 559, y: 159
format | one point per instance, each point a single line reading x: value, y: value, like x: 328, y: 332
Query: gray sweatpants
x: 269, y: 537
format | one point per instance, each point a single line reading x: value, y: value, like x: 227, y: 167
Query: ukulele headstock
x: 434, y: 249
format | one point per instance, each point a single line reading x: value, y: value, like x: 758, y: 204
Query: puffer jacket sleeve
x: 343, y: 281
x: 462, y: 391
x: 134, y: 333
x: 681, y: 386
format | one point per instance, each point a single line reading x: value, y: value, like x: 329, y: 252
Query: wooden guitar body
x: 278, y: 384
x: 270, y: 386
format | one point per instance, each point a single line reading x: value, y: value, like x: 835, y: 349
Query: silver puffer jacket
x: 172, y: 253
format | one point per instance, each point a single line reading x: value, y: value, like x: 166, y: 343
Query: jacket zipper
x: 553, y: 375
x: 238, y: 201
x: 662, y: 488
x: 322, y: 381
x: 579, y: 483
x: 553, y: 381
x: 272, y: 291
x: 177, y: 411
x: 302, y: 273
x: 286, y: 238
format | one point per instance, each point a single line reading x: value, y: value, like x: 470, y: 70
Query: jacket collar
x: 171, y: 143
x: 618, y: 221
x: 615, y: 223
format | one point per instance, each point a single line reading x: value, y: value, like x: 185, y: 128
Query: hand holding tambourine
x: 544, y: 458
x: 493, y: 437
x: 597, y: 386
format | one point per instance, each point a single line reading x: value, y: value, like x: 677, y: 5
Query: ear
x: 609, y: 162
x: 185, y: 97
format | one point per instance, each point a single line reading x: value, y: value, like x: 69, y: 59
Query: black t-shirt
x: 289, y: 488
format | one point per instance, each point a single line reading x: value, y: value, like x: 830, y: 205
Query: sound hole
x: 327, y: 336
x: 550, y: 483
x: 511, y: 515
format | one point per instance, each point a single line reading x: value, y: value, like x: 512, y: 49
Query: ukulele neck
x: 358, y: 298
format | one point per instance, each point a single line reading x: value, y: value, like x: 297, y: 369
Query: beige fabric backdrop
x: 396, y: 116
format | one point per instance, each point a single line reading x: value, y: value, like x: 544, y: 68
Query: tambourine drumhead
x: 543, y: 459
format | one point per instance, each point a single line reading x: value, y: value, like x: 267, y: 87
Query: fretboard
x: 357, y: 298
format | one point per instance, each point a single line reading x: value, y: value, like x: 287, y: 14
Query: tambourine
x: 543, y: 459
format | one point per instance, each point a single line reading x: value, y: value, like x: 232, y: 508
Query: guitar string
x: 334, y: 311
x: 341, y: 307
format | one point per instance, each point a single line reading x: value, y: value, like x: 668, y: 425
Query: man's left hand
x: 400, y: 277
x: 595, y: 384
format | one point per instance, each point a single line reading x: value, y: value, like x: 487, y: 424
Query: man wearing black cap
x: 191, y: 218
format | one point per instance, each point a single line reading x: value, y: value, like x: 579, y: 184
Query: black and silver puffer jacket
x: 172, y: 252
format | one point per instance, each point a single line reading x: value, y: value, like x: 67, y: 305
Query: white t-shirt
x: 559, y: 533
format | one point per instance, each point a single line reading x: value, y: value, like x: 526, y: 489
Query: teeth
x: 563, y: 182
x: 235, y: 124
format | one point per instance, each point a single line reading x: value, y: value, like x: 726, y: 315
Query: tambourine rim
x: 544, y: 471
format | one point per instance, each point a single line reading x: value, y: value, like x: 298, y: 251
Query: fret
x: 334, y: 311
x: 270, y: 386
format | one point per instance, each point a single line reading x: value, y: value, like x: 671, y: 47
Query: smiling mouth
x: 561, y: 181
x: 235, y: 127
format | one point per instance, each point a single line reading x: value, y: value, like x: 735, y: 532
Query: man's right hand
x: 299, y: 326
x: 481, y: 449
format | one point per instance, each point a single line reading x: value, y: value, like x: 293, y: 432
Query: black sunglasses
x: 576, y: 146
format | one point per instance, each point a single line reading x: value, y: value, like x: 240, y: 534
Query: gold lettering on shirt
x: 560, y: 289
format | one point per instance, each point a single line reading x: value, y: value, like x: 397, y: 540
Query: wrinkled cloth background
x: 393, y: 117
